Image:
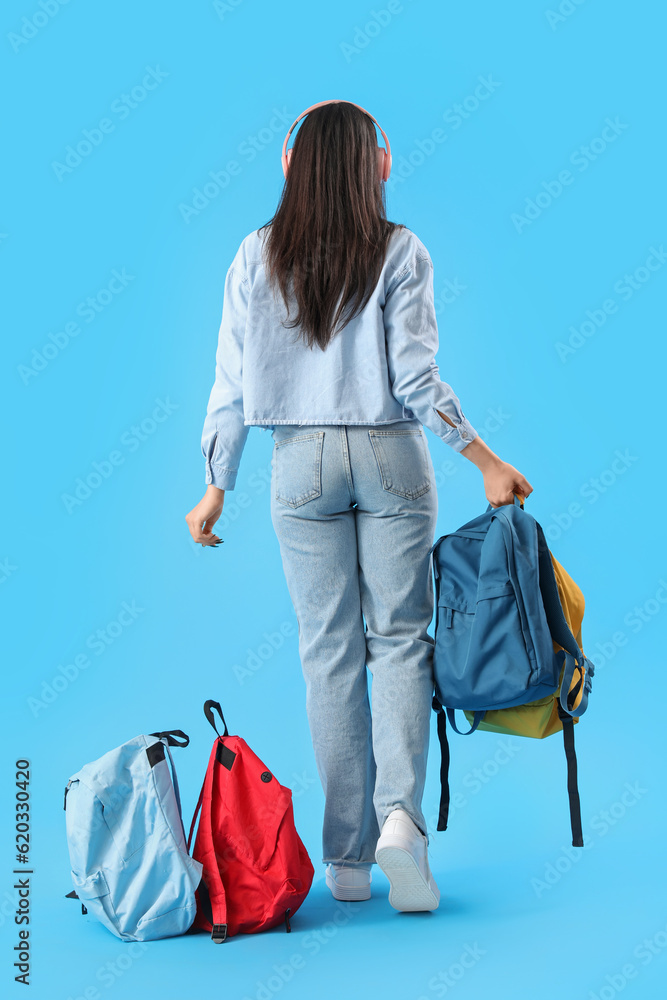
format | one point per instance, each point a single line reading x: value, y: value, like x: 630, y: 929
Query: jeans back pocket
x: 402, y: 461
x: 298, y: 468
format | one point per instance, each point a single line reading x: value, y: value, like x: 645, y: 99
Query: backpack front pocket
x: 90, y: 887
x: 93, y: 891
x: 452, y: 644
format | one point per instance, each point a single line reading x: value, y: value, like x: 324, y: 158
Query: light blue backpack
x: 129, y: 860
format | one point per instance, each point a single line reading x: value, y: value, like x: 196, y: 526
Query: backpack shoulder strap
x: 571, y: 654
x: 194, y: 818
x: 560, y: 630
x: 443, y: 812
x: 215, y: 910
x: 572, y: 784
x: 574, y: 660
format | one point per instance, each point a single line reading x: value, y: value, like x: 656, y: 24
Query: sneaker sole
x: 408, y: 890
x: 347, y: 893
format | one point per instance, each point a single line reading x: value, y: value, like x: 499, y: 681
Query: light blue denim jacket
x: 378, y: 369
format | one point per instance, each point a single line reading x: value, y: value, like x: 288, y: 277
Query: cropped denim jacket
x: 379, y: 369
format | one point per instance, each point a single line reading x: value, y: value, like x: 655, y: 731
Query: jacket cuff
x: 217, y: 475
x: 459, y: 437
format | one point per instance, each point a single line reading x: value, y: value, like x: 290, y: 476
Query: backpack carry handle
x: 170, y: 734
x: 477, y: 718
x: 208, y: 706
x: 518, y: 500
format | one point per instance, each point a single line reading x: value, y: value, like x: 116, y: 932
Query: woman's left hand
x: 201, y: 518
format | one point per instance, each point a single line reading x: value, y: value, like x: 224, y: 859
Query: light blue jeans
x: 354, y: 508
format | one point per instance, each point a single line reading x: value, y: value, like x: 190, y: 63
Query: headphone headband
x: 384, y: 156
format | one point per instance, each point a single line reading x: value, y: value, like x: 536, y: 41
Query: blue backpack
x: 130, y: 864
x: 504, y: 650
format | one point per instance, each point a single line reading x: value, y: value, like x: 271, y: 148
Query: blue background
x: 585, y: 427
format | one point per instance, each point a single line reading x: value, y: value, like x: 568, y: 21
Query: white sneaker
x: 402, y: 854
x: 350, y: 882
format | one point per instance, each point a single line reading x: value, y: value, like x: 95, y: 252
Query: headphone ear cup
x: 286, y: 161
x: 380, y: 159
x: 384, y: 163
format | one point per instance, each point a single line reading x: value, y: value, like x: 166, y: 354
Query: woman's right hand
x: 501, y: 480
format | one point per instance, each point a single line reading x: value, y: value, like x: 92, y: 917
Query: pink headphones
x: 384, y: 155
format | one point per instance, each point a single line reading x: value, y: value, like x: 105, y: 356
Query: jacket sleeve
x: 224, y: 434
x: 411, y: 334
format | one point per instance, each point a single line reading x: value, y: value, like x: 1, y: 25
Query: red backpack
x: 257, y: 872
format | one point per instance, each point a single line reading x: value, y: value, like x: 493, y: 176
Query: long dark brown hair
x: 327, y: 240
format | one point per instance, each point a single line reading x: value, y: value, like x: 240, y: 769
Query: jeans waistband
x: 278, y: 430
